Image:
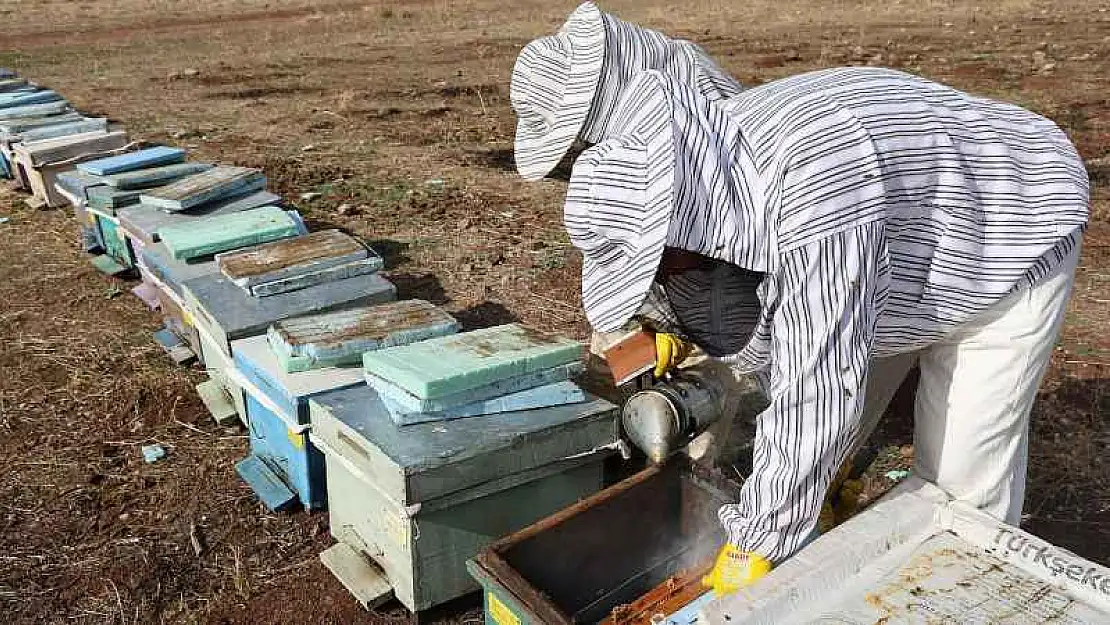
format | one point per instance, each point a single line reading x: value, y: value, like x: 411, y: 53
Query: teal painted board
x: 155, y: 176
x: 407, y: 402
x: 207, y: 186
x: 115, y: 242
x: 423, y: 549
x: 225, y: 232
x: 17, y: 126
x: 294, y: 263
x: 63, y: 130
x: 107, y: 199
x: 341, y: 337
x: 556, y: 394
x: 425, y: 461
x: 139, y: 159
x: 453, y: 364
x: 35, y: 110
x: 289, y: 392
x: 146, y: 222
x: 226, y: 313
x: 34, y: 97
x: 273, y: 493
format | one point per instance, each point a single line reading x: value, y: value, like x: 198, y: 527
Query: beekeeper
x: 835, y: 218
x: 564, y: 90
x: 566, y: 86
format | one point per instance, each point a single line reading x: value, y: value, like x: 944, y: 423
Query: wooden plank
x: 35, y: 110
x: 317, y: 276
x: 25, y: 99
x: 107, y: 199
x: 340, y: 338
x: 453, y: 364
x: 174, y: 346
x: 155, y: 176
x: 219, y: 405
x: 139, y: 159
x: 207, y: 186
x: 16, y: 126
x: 76, y: 184
x: 65, y: 129
x: 361, y: 578
x: 146, y: 222
x: 39, y: 153
x: 254, y: 265
x: 10, y: 81
x: 407, y: 402
x: 226, y: 232
x: 271, y: 491
x: 557, y: 394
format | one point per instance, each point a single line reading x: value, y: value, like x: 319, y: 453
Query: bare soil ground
x: 398, y: 115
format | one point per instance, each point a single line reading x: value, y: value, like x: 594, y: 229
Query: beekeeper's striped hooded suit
x: 566, y: 86
x: 883, y: 216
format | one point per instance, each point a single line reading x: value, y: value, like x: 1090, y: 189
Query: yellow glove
x: 670, y: 351
x: 735, y: 569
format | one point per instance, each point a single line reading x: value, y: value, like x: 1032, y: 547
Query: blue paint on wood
x: 167, y: 339
x: 5, y: 169
x: 34, y: 110
x: 289, y: 391
x: 141, y: 159
x: 290, y: 455
x: 271, y: 491
x: 408, y: 402
x: 240, y: 315
x: 24, y: 99
x: 437, y: 459
x: 688, y: 615
x: 557, y: 394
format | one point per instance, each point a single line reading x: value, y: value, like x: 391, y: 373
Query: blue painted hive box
x: 410, y: 504
x: 284, y: 465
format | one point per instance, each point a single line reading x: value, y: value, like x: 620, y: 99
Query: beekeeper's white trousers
x: 974, y: 398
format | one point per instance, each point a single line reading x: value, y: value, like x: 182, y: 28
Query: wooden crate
x: 277, y: 415
x: 417, y: 501
x: 606, y: 551
x: 38, y: 163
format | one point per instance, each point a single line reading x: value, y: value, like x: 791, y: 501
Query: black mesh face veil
x: 715, y: 306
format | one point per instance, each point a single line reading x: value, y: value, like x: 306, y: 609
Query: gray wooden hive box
x: 419, y: 500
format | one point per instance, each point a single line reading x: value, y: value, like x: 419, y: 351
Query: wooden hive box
x: 222, y: 312
x: 12, y: 133
x: 277, y: 414
x: 38, y: 163
x: 167, y: 274
x: 609, y: 550
x: 410, y: 504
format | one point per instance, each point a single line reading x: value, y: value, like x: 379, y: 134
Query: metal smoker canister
x: 664, y: 418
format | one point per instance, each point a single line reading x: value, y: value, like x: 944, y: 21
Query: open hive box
x: 625, y: 556
x: 916, y: 557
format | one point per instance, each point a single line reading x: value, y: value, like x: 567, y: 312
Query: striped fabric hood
x: 567, y: 85
x: 667, y: 176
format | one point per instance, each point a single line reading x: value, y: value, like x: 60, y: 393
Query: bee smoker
x: 665, y: 417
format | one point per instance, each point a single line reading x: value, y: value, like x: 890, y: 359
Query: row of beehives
x: 425, y: 444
